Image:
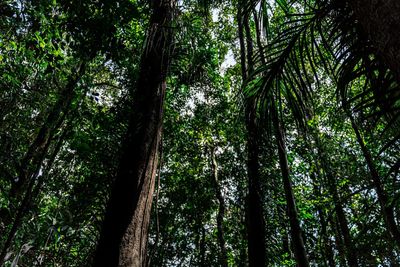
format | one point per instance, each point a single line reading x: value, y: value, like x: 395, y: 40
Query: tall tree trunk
x: 254, y: 214
x: 295, y: 230
x: 123, y: 240
x: 221, y: 210
x: 380, y: 20
x: 387, y: 209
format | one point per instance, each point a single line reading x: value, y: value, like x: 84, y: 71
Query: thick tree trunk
x: 254, y: 212
x: 295, y: 230
x: 221, y: 210
x: 123, y: 240
x: 387, y: 210
x: 380, y: 20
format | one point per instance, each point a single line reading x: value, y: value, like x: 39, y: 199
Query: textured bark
x: 295, y: 230
x: 221, y: 211
x: 380, y: 20
x: 387, y: 210
x: 254, y: 211
x: 123, y: 240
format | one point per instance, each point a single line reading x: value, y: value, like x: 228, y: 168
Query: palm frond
x: 324, y: 36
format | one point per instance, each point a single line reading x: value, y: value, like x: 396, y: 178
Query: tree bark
x: 123, y: 240
x: 295, y: 230
x: 380, y: 20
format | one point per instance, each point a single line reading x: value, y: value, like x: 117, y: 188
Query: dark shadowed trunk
x: 295, y: 230
x: 254, y: 212
x: 380, y: 20
x: 123, y: 240
x: 221, y: 210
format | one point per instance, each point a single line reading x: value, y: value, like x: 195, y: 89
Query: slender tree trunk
x: 295, y: 230
x: 387, y: 210
x: 380, y: 20
x: 350, y: 254
x: 38, y: 148
x: 254, y: 214
x: 31, y: 193
x: 221, y: 210
x: 286, y: 247
x: 123, y: 240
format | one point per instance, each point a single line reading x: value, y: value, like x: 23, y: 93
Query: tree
x: 123, y: 240
x: 254, y: 215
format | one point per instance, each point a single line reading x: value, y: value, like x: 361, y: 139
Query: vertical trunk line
x: 254, y: 209
x: 39, y: 146
x: 123, y: 240
x: 296, y: 232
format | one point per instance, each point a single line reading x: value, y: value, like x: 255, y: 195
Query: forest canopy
x: 199, y: 133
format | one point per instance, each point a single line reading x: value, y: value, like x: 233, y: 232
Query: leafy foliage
x: 68, y: 76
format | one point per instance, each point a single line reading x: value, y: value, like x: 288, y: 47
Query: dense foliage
x: 279, y: 133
